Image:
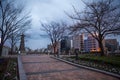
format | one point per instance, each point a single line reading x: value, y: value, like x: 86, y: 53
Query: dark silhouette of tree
x: 13, y: 40
x: 100, y: 18
x: 12, y: 20
x: 55, y: 31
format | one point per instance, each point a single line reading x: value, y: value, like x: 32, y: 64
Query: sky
x: 46, y: 11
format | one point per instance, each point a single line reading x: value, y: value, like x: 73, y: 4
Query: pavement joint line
x: 40, y: 62
x: 22, y: 74
x: 51, y: 71
x: 89, y: 68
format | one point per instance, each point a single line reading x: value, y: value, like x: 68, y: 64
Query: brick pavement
x: 45, y: 68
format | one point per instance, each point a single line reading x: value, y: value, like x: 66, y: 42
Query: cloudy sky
x: 47, y: 11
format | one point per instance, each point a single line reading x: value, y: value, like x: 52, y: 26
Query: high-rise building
x: 65, y: 44
x: 91, y: 44
x: 78, y: 42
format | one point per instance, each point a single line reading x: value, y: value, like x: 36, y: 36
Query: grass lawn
x: 107, y: 63
x: 8, y: 69
x: 113, y: 60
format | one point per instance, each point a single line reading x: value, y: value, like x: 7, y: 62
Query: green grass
x: 112, y: 60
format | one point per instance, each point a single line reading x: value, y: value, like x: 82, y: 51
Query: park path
x: 43, y: 67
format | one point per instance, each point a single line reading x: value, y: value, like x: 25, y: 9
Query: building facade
x: 5, y: 50
x: 65, y: 44
x: 78, y: 42
x: 112, y: 45
x: 91, y: 44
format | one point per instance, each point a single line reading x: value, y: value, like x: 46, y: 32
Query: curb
x: 89, y: 68
x: 22, y: 74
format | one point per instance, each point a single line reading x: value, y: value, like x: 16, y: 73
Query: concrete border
x: 89, y: 68
x: 22, y: 74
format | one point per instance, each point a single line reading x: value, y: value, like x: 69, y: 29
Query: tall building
x: 91, y: 44
x: 112, y: 44
x: 65, y: 44
x: 78, y: 42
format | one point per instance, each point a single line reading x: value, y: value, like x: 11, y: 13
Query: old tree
x: 100, y: 18
x: 12, y: 21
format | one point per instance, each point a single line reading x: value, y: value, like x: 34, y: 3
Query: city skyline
x: 46, y: 11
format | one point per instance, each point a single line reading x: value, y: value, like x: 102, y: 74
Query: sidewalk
x: 45, y: 68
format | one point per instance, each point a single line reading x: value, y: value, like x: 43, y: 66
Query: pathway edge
x: 89, y: 68
x: 22, y: 74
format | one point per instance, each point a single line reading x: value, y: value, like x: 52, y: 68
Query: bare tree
x: 14, y: 38
x: 99, y: 19
x: 55, y: 31
x: 12, y: 20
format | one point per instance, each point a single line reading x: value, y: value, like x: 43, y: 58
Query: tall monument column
x: 22, y: 45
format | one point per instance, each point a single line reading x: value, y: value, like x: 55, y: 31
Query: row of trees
x: 100, y: 18
x: 13, y: 22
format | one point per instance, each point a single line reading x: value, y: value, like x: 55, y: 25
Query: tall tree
x: 12, y: 20
x: 55, y: 31
x: 99, y: 19
x: 14, y: 38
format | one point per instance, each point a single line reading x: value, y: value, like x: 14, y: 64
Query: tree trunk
x: 101, y: 48
x: 2, y: 44
x: 1, y: 48
x: 54, y: 49
x: 12, y: 44
x: 12, y: 49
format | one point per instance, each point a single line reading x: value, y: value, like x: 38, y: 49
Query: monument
x: 22, y: 45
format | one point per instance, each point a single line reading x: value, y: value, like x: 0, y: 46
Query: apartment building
x: 91, y: 44
x: 78, y: 42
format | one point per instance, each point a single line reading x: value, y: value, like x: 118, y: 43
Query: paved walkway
x: 45, y: 68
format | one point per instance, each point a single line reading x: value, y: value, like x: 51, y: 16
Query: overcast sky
x: 47, y: 11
